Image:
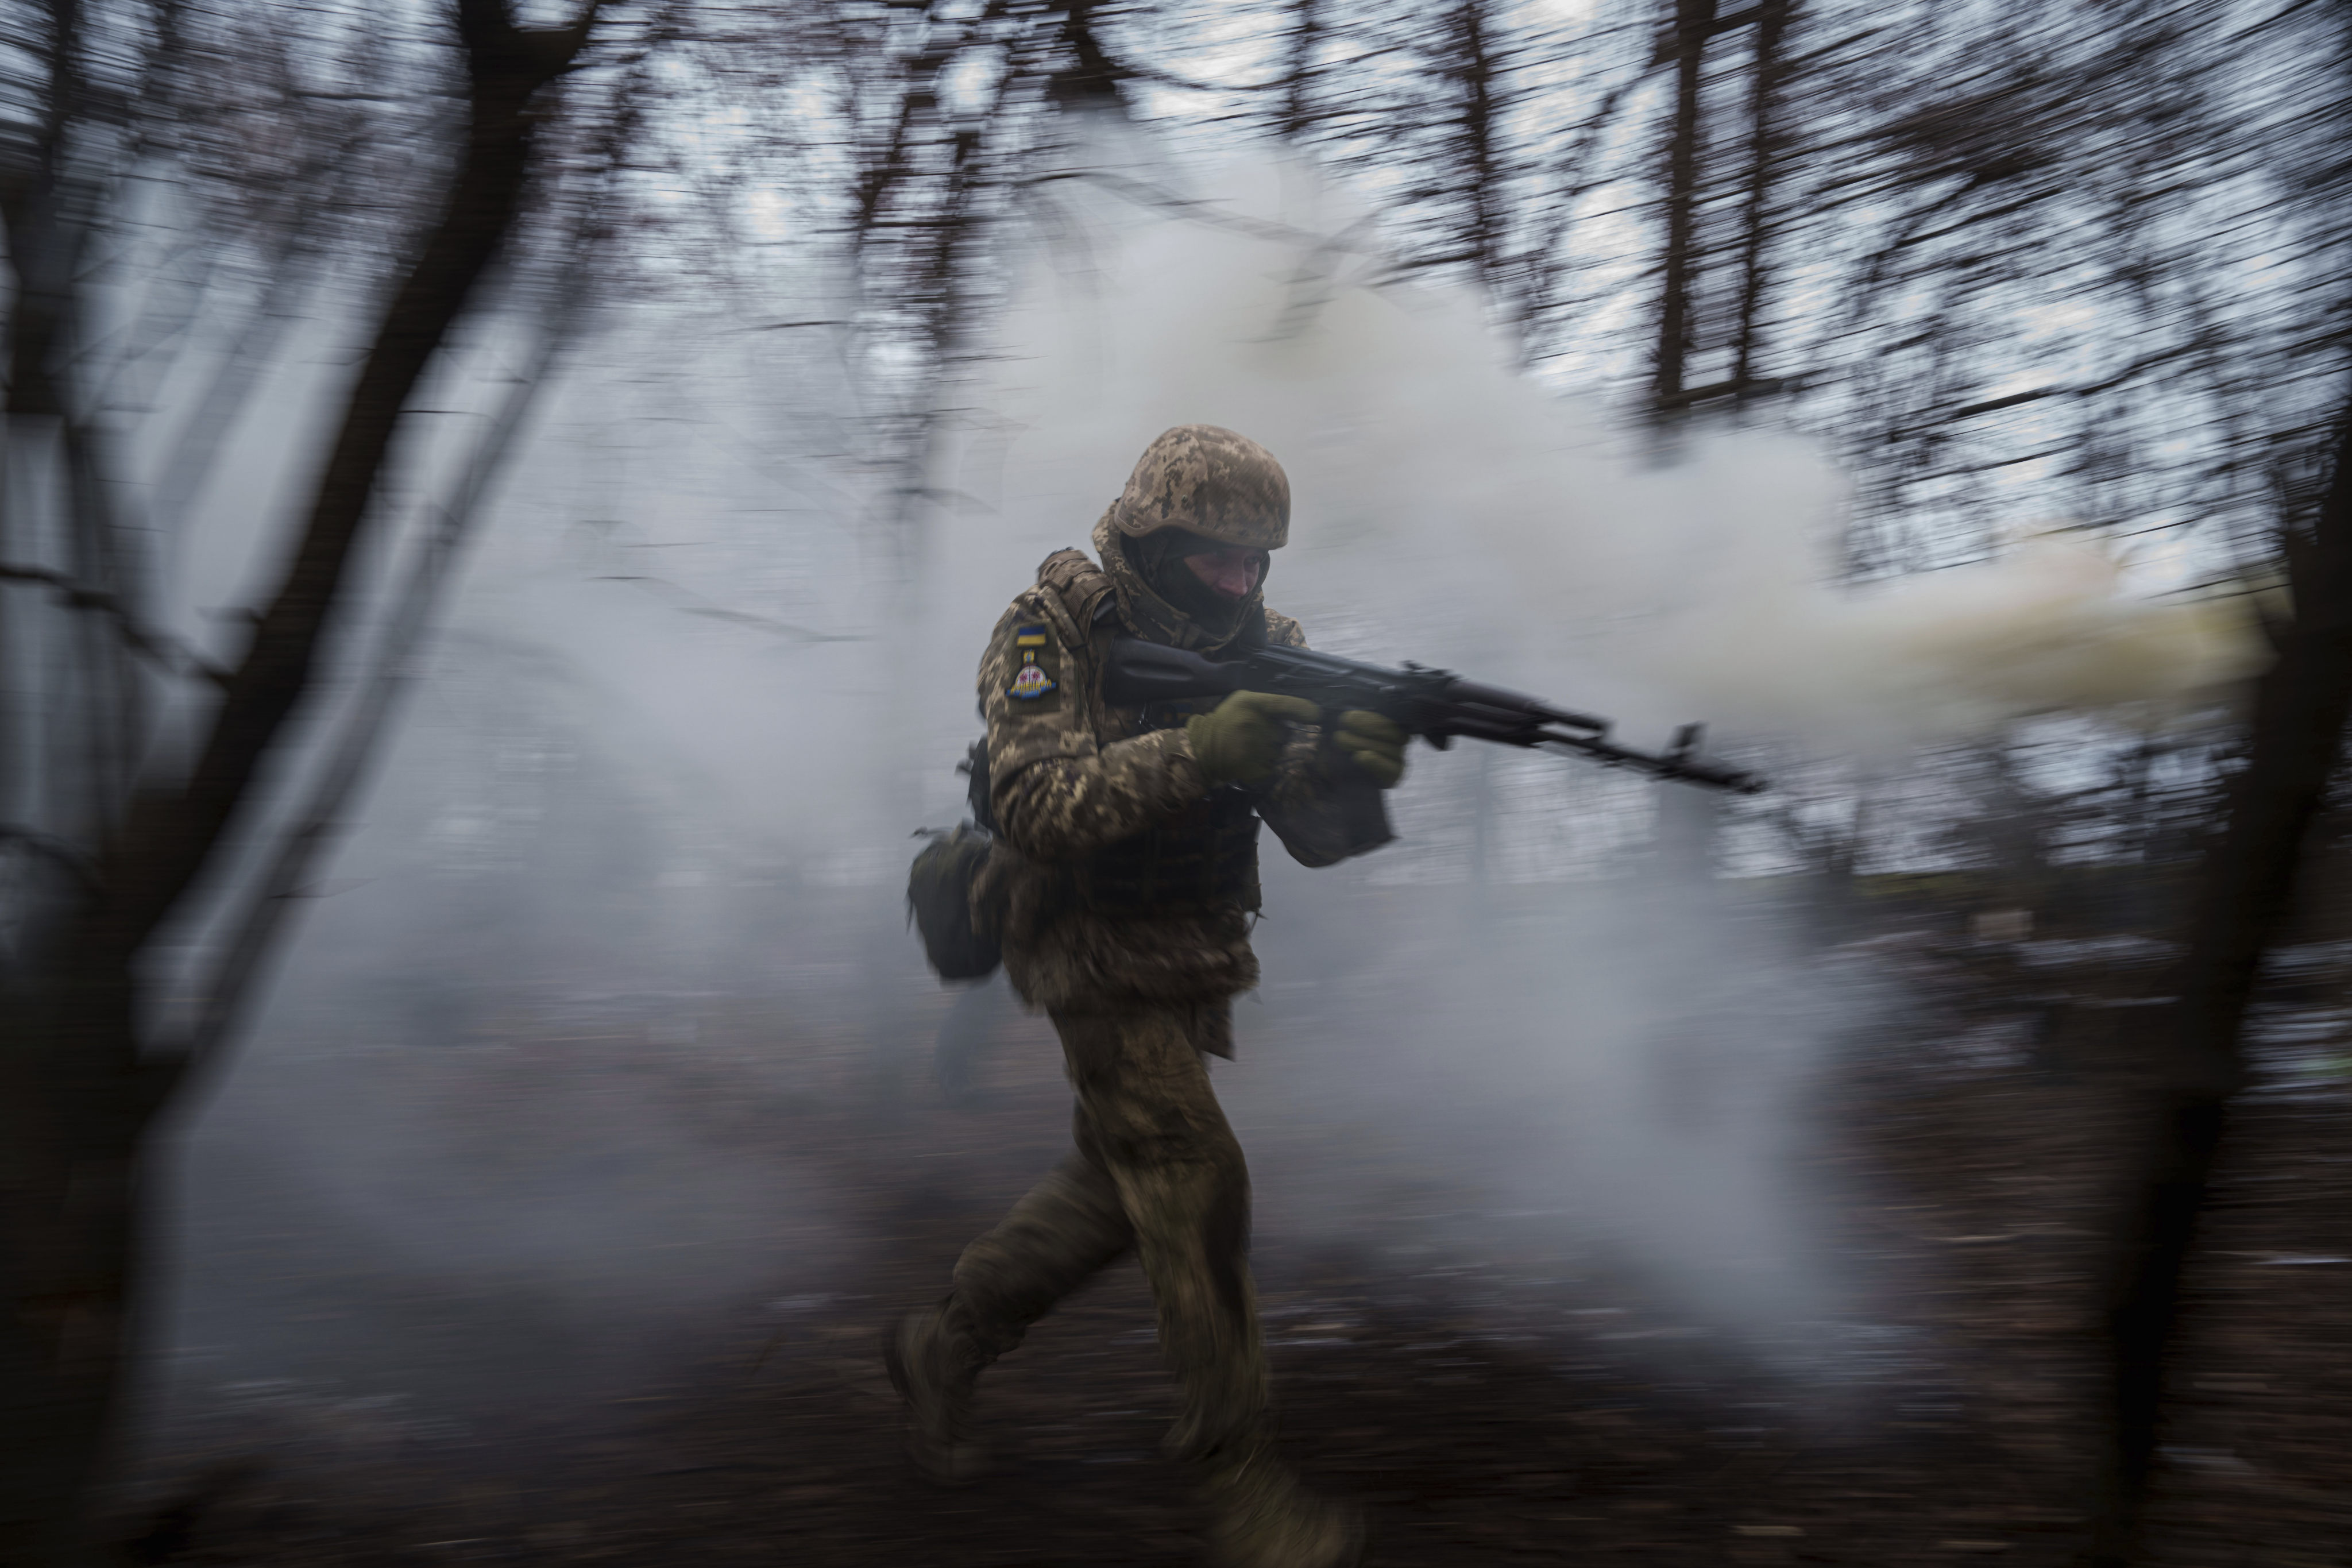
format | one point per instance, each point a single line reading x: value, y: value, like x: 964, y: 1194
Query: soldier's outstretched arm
x: 1058, y: 793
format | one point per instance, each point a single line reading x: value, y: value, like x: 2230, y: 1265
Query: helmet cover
x: 1209, y: 482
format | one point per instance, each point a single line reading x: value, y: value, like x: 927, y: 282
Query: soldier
x: 1126, y: 867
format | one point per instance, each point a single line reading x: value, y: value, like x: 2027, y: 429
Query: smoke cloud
x: 1445, y: 498
x: 686, y: 711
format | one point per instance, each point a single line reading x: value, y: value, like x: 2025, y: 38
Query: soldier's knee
x: 1203, y: 1159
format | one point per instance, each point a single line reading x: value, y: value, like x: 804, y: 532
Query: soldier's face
x: 1234, y: 573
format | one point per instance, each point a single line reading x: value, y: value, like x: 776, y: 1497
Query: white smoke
x: 645, y: 773
x: 1440, y: 491
x: 1631, y: 1062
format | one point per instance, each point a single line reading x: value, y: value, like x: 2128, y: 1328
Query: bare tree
x: 91, y: 1063
x: 2294, y: 747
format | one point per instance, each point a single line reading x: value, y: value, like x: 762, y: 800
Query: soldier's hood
x: 1148, y: 615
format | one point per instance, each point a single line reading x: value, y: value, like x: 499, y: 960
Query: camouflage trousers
x: 1156, y: 1169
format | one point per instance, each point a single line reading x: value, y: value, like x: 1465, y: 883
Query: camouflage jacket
x: 1124, y: 875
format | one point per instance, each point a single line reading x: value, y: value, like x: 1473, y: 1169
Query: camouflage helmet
x: 1211, y: 482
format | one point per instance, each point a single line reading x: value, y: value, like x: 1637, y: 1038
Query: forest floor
x: 1504, y: 1400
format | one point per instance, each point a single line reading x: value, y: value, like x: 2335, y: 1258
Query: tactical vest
x: 1206, y: 857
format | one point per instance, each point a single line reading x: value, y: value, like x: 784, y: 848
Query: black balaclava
x: 1159, y: 560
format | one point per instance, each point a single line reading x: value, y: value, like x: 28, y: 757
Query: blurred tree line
x: 2079, y: 260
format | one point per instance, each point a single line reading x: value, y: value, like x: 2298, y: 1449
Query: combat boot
x: 1267, y: 1518
x: 933, y: 1367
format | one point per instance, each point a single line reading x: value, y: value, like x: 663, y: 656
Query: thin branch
x: 1144, y: 193
x: 693, y: 604
x: 55, y: 850
x: 159, y: 648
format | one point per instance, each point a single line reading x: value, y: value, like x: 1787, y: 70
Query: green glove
x: 1240, y: 742
x: 1374, y: 744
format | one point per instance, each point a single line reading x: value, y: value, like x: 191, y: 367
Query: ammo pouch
x: 961, y: 943
x: 1202, y: 859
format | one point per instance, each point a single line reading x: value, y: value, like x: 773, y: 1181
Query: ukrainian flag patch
x: 1032, y: 680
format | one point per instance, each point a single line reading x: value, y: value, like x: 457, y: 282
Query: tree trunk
x: 1091, y: 76
x: 1756, y: 222
x: 1694, y: 20
x: 2241, y: 903
x: 79, y: 1088
x: 1482, y: 180
x: 1297, y: 116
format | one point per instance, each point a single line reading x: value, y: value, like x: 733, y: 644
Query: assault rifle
x: 1434, y: 704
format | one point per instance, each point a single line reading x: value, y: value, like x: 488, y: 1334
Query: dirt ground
x: 1487, y: 1404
